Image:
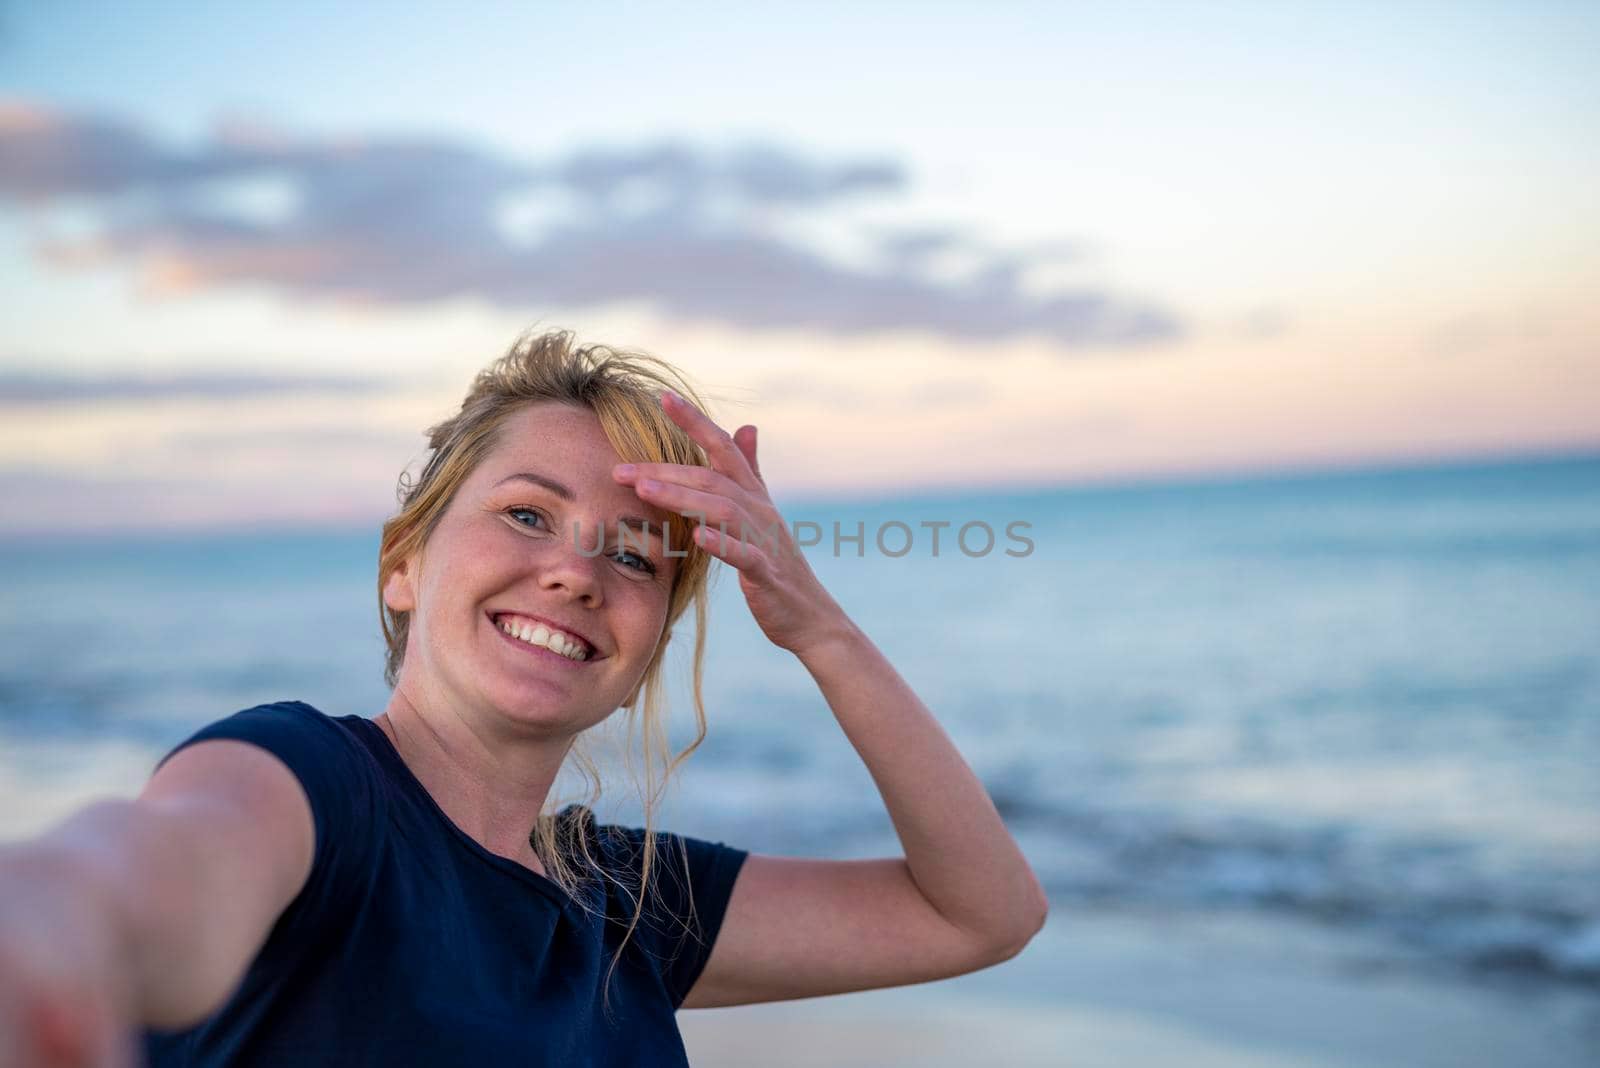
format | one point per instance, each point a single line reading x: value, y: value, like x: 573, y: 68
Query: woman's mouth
x: 537, y: 636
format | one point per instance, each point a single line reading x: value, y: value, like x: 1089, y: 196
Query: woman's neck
x: 490, y: 790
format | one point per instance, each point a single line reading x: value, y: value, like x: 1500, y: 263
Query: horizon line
x: 1149, y: 481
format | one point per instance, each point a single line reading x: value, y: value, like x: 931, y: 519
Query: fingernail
x: 625, y: 470
x: 668, y: 395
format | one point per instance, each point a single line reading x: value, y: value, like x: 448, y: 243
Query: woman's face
x: 506, y: 551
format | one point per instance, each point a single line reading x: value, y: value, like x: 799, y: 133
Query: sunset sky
x: 249, y: 252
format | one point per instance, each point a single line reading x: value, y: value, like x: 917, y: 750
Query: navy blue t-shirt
x: 412, y: 944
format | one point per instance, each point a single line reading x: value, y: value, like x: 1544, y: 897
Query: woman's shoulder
x: 296, y: 732
x: 287, y: 714
x: 328, y: 755
x: 620, y: 848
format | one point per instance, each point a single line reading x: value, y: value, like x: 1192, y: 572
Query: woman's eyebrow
x: 561, y: 490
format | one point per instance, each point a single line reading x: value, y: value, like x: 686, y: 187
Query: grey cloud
x: 42, y: 157
x: 42, y: 388
x: 412, y: 220
x: 913, y: 247
x: 347, y: 440
x: 760, y: 174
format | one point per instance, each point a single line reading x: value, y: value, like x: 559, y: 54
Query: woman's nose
x: 574, y: 562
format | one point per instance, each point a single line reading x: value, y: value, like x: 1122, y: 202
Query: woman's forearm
x: 960, y: 854
x: 72, y: 887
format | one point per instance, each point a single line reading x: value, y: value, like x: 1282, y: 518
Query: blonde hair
x: 620, y: 387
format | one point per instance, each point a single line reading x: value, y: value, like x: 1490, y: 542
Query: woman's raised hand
x: 738, y: 523
x: 60, y: 1003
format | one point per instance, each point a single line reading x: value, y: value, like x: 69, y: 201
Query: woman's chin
x: 541, y: 712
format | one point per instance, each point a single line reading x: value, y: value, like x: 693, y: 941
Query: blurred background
x: 1275, y: 323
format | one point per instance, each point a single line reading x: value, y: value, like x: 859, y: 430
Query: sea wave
x: 1445, y: 898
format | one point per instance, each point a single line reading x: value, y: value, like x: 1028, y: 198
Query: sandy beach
x: 1104, y: 989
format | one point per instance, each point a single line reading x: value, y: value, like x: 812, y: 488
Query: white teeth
x: 541, y: 635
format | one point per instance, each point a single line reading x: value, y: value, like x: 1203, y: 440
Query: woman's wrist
x: 828, y: 641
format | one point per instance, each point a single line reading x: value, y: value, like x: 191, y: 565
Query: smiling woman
x: 397, y: 890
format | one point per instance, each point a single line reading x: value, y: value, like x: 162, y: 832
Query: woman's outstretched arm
x: 147, y: 912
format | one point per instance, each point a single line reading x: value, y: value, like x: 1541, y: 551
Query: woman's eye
x: 515, y: 512
x: 646, y: 566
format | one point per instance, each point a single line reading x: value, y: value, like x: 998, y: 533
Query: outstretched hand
x: 737, y: 523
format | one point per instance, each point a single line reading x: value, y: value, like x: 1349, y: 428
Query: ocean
x: 1362, y: 700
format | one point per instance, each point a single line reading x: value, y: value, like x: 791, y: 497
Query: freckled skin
x: 481, y: 557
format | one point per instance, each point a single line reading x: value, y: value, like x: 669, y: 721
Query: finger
x: 712, y: 508
x: 700, y: 478
x: 709, y: 497
x: 745, y: 438
x: 724, y: 455
x: 731, y: 550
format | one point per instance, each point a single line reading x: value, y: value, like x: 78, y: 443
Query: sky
x: 250, y: 252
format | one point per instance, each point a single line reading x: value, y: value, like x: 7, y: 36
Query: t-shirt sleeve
x: 681, y: 923
x: 343, y: 788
